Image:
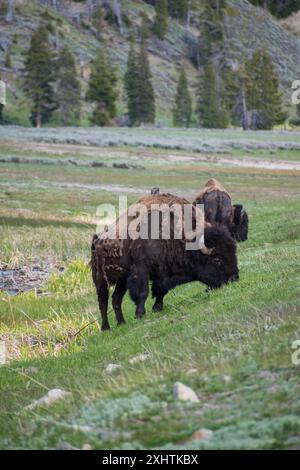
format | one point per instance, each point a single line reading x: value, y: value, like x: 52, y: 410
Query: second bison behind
x: 131, y: 264
x: 218, y: 208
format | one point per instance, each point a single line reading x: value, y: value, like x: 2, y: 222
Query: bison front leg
x: 103, y: 294
x: 138, y: 288
x: 117, y: 298
x: 158, y: 293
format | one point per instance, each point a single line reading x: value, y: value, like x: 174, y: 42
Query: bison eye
x: 217, y: 261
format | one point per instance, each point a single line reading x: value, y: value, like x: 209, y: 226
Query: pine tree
x: 144, y: 28
x: 39, y: 77
x: 263, y: 96
x: 98, y: 20
x: 211, y: 30
x: 102, y: 89
x: 68, y: 88
x: 210, y: 110
x: 296, y: 121
x: 178, y: 8
x: 145, y: 92
x: 235, y: 82
x: 182, y: 112
x: 161, y: 19
x: 130, y: 84
x: 279, y: 8
x: 205, y: 44
x: 138, y: 86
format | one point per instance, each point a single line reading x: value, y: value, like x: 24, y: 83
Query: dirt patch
x: 140, y: 154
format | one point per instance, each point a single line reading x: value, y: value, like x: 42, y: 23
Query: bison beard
x: 164, y: 262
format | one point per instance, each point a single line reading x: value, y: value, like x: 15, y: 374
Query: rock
x: 97, y: 164
x: 139, y: 358
x: 201, y: 435
x: 83, y: 428
x: 191, y: 372
x: 184, y: 393
x: 31, y: 370
x: 111, y: 368
x: 51, y: 397
x: 226, y: 379
x: 86, y: 446
x: 114, y: 435
x: 121, y: 166
x: 65, y: 446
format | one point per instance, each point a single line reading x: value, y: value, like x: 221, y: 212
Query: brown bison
x: 132, y: 263
x: 218, y: 208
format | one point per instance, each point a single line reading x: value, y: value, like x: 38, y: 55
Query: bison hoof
x: 140, y: 314
x: 157, y: 307
x: 105, y: 327
x: 121, y: 322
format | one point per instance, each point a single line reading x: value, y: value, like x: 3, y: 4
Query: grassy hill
x: 233, y: 346
x: 247, y: 28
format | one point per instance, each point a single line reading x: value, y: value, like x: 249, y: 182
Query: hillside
x: 247, y: 28
x: 233, y: 346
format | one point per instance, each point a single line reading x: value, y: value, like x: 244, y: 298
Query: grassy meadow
x: 233, y: 346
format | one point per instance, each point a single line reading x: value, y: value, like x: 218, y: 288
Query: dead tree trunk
x: 10, y: 12
x: 188, y: 16
x: 246, y: 125
x: 117, y: 13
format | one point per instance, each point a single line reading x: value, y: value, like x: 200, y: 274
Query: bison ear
x: 238, y: 211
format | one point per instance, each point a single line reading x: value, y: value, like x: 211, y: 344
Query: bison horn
x: 206, y: 251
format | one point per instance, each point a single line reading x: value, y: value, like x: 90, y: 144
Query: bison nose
x: 234, y: 277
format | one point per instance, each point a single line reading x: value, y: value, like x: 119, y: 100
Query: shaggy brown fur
x: 212, y: 185
x: 217, y: 202
x: 130, y: 264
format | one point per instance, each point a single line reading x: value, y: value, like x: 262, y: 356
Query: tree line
x: 278, y: 8
x: 247, y: 95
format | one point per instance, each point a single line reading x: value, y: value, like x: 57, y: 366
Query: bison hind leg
x: 119, y: 292
x: 158, y: 304
x: 103, y: 294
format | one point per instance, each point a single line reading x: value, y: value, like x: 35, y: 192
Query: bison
x: 132, y: 263
x: 219, y: 209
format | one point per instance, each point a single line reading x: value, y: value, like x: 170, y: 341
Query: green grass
x: 238, y: 338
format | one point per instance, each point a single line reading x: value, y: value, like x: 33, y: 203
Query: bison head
x: 240, y: 223
x: 219, y: 266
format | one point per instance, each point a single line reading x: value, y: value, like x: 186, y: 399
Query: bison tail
x: 98, y: 261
